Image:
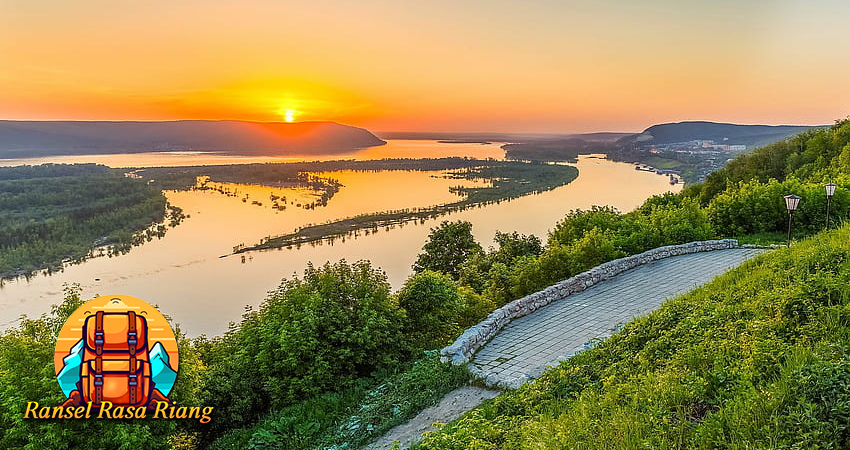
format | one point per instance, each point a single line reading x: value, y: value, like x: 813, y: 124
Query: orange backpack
x: 116, y: 365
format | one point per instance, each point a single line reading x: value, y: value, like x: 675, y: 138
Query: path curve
x: 450, y: 408
x: 526, y: 346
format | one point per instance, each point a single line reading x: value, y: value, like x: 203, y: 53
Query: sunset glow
x: 427, y: 66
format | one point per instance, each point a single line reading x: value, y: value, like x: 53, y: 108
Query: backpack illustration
x: 115, y: 360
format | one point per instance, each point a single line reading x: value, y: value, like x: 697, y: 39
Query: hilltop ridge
x: 19, y: 139
x: 726, y: 133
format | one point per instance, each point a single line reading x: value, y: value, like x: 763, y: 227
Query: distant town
x: 703, y: 156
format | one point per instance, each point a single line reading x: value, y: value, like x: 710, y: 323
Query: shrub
x: 27, y: 374
x: 578, y: 222
x: 319, y: 333
x: 752, y: 207
x: 354, y: 416
x: 433, y: 307
x: 513, y: 246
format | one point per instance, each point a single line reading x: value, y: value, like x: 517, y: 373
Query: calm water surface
x: 184, y: 274
x: 393, y: 149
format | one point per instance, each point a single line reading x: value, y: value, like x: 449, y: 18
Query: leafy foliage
x: 437, y: 311
x: 753, y: 207
x: 582, y: 240
x: 815, y: 155
x: 324, y: 331
x: 449, y: 245
x: 755, y: 357
x: 352, y: 417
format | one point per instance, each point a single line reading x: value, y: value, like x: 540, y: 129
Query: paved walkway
x: 527, y: 345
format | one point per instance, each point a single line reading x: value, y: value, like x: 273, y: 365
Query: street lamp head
x: 791, y: 202
x: 830, y: 189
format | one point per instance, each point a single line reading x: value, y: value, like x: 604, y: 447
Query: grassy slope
x: 662, y: 163
x: 354, y: 417
x: 755, y: 359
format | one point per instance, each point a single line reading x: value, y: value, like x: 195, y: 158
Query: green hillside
x: 755, y: 359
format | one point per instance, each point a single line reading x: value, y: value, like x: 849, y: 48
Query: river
x: 185, y: 275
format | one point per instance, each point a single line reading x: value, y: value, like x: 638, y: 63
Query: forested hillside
x: 53, y: 213
x: 727, y: 133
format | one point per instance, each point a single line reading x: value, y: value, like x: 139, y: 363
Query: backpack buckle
x: 98, y: 379
x: 133, y: 381
x: 98, y: 338
x: 131, y: 337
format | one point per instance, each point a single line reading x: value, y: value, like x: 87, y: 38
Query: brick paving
x: 527, y: 345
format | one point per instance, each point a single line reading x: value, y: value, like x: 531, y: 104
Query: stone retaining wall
x: 462, y: 350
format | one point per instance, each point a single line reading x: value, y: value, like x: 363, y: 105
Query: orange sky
x: 495, y: 65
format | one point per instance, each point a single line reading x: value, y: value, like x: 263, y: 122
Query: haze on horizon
x: 489, y: 66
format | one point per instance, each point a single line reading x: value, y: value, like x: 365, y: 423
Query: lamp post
x: 830, y: 191
x: 791, y: 203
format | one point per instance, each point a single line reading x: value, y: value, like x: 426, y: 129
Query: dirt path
x: 450, y: 407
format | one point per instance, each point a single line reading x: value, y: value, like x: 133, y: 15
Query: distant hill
x: 20, y: 139
x: 721, y: 133
x: 501, y: 137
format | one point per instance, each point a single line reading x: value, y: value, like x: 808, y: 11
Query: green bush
x: 433, y: 306
x: 322, y: 332
x: 585, y: 239
x: 753, y: 207
x: 511, y: 248
x: 578, y: 222
x: 814, y: 155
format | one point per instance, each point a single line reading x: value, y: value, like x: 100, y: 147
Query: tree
x: 515, y: 245
x: 433, y: 306
x: 578, y: 222
x: 449, y: 245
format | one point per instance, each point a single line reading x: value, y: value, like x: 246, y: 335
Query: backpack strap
x: 131, y: 333
x: 98, y: 380
x: 98, y: 333
x: 131, y: 344
x: 98, y: 361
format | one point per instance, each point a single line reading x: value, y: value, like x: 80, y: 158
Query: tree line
x: 57, y: 212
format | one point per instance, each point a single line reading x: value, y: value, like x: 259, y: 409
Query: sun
x: 289, y: 115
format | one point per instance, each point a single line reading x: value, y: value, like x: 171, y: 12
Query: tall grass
x: 353, y: 417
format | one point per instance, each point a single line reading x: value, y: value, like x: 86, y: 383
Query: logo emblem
x: 116, y: 351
